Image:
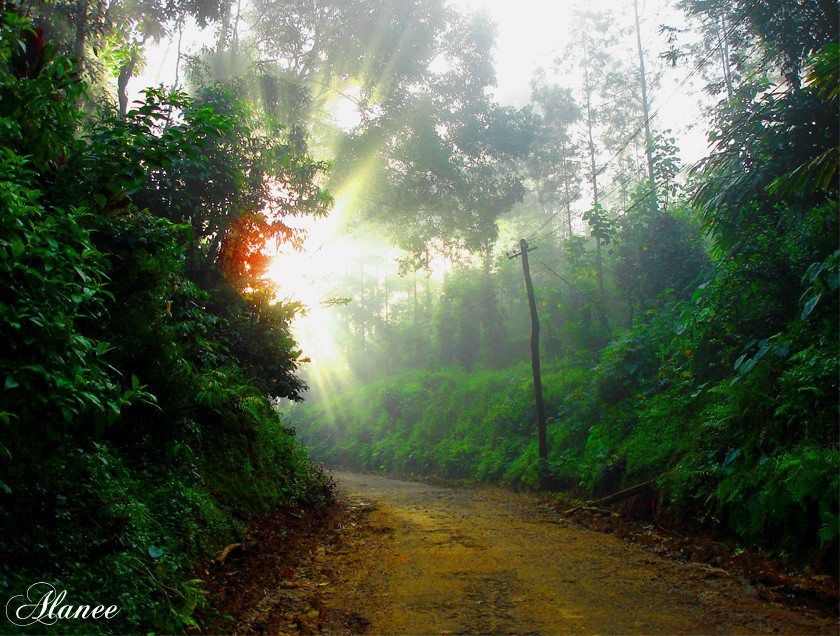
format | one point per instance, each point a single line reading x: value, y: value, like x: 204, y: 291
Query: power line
x: 588, y: 294
x: 550, y: 219
x: 617, y: 153
x: 697, y: 67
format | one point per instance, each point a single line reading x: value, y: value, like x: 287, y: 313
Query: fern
x: 830, y: 529
x: 812, y: 472
x: 193, y: 597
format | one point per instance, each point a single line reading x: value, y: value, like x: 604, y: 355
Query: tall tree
x: 593, y: 36
x: 742, y: 34
x: 645, y: 101
x: 107, y: 37
x: 786, y: 135
x: 440, y: 162
x: 551, y: 166
x: 428, y: 156
x: 724, y: 54
x: 377, y: 46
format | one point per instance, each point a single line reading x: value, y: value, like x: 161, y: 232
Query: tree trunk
x: 645, y: 103
x: 568, y: 195
x: 81, y: 32
x: 224, y: 30
x: 592, y: 165
x: 724, y: 51
x: 126, y: 72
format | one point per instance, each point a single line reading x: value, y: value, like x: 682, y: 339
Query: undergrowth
x: 730, y: 432
x: 136, y: 432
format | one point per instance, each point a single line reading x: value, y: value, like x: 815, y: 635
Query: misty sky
x: 531, y: 34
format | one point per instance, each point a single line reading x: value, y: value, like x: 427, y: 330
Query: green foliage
x: 657, y: 253
x: 748, y: 186
x: 602, y: 227
x: 244, y: 174
x: 447, y: 422
x: 782, y: 500
x: 52, y: 282
x: 37, y: 114
x: 136, y: 429
x: 119, y: 153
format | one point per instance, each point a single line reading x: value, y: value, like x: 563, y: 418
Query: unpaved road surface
x: 418, y: 559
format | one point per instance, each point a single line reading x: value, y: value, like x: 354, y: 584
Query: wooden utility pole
x: 535, y: 349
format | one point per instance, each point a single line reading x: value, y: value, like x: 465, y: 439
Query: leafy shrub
x: 780, y: 499
x: 135, y: 429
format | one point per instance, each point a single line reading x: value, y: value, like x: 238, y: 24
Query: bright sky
x: 530, y: 34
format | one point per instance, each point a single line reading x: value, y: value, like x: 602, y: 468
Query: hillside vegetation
x: 698, y: 347
x: 136, y: 434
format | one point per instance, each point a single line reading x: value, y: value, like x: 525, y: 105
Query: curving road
x: 419, y: 559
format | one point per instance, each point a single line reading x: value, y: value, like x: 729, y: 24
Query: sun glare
x: 305, y: 277
x: 311, y: 277
x: 345, y: 110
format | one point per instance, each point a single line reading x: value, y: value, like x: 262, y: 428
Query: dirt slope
x: 410, y: 558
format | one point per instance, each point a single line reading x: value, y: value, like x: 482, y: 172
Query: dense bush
x: 136, y: 432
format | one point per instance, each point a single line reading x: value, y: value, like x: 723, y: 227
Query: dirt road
x: 419, y: 559
x: 397, y: 557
